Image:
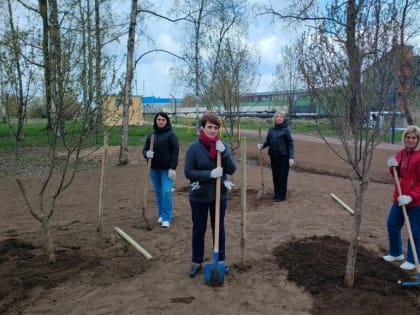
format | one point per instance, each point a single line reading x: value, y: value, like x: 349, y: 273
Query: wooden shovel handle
x: 146, y: 178
x: 407, y: 220
x: 217, y: 207
x: 146, y: 184
x: 152, y: 140
x: 261, y: 159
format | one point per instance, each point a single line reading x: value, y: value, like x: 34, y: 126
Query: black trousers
x: 200, y: 213
x: 280, y: 171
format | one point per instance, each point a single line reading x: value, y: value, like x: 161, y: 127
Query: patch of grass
x: 36, y: 132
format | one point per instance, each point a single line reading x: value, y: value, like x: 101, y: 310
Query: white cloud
x: 268, y: 47
x: 167, y: 41
x: 266, y: 81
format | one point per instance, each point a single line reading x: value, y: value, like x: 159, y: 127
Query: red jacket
x: 409, y: 174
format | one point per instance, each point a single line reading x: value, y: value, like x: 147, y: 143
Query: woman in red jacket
x: 407, y: 162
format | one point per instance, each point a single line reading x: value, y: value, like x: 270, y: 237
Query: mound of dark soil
x: 318, y: 263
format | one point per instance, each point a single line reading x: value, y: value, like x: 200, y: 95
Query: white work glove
x: 220, y: 146
x: 291, y: 162
x: 392, y: 162
x: 259, y: 146
x: 228, y: 184
x: 216, y: 172
x: 150, y: 154
x: 172, y: 174
x: 404, y: 200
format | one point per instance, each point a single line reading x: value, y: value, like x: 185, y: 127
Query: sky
x: 152, y: 77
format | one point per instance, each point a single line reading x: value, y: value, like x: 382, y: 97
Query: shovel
x: 214, y: 273
x: 146, y: 184
x: 410, y: 236
x: 261, y: 191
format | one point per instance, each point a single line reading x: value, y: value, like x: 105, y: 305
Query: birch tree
x: 136, y: 12
x: 123, y: 158
x: 18, y: 72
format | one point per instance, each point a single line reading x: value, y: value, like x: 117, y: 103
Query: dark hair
x: 164, y: 115
x: 210, y: 117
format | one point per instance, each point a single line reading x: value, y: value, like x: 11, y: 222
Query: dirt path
x: 293, y: 255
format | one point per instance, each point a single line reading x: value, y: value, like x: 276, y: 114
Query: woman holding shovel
x: 202, y: 171
x: 163, y: 151
x: 407, y: 164
x: 282, y: 154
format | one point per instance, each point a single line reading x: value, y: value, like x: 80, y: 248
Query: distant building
x: 152, y: 104
x: 401, y: 74
x: 277, y: 100
x: 408, y: 75
x: 113, y: 111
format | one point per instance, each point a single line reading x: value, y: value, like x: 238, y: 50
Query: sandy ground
x: 292, y: 261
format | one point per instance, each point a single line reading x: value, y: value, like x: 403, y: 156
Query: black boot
x: 195, y: 269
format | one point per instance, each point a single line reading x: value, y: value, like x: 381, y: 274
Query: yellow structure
x: 113, y: 111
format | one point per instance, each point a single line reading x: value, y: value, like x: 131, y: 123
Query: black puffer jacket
x: 279, y: 140
x: 165, y: 148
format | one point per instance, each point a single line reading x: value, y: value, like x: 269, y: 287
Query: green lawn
x: 36, y: 133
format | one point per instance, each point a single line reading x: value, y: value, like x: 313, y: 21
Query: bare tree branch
x: 156, y: 50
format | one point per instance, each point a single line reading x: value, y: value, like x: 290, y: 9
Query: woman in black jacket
x: 201, y: 169
x: 164, y: 162
x: 282, y: 154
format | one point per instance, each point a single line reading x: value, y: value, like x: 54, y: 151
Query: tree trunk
x: 351, y: 262
x: 350, y: 269
x: 49, y: 244
x: 43, y: 9
x: 123, y: 158
x: 57, y: 66
x: 98, y: 58
x: 20, y: 101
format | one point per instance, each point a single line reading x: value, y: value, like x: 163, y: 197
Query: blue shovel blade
x: 411, y: 283
x: 214, y: 273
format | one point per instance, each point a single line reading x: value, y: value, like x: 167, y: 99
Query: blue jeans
x: 162, y: 185
x: 200, y: 212
x: 395, y: 223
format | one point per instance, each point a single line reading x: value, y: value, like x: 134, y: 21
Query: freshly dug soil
x: 290, y: 260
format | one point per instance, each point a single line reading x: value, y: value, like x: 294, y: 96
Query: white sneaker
x: 407, y: 265
x: 390, y: 258
x: 160, y: 220
x: 165, y: 224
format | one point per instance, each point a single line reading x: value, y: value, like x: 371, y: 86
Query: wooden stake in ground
x: 243, y: 198
x: 101, y: 187
x: 146, y: 184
